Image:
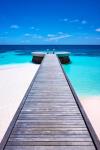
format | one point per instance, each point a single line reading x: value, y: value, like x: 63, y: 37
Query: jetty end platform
x: 64, y: 58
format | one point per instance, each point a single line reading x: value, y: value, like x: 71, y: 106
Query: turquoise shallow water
x: 13, y: 57
x: 84, y: 74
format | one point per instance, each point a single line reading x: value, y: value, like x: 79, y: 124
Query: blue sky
x: 49, y: 21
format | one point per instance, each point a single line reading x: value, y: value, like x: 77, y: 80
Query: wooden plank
x: 50, y: 147
x: 49, y: 136
x: 55, y: 122
x: 55, y: 139
x: 32, y: 104
x: 54, y: 110
x: 30, y: 125
x: 46, y: 117
x: 50, y: 131
x: 50, y: 143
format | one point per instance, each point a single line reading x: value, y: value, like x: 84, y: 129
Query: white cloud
x: 39, y: 37
x: 36, y: 36
x: 33, y: 36
x: 27, y: 34
x: 51, y: 35
x: 74, y: 21
x: 14, y: 26
x: 65, y: 19
x: 98, y: 29
x: 32, y: 28
x: 84, y: 22
x: 60, y: 32
x: 57, y: 37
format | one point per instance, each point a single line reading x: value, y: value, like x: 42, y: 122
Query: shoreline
x: 14, y: 82
x: 91, y: 105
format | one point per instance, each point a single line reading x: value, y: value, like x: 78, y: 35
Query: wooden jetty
x: 50, y: 116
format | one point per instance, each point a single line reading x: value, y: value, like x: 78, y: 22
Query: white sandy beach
x: 91, y: 105
x: 14, y: 81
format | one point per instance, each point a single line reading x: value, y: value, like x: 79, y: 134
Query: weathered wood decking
x: 50, y: 116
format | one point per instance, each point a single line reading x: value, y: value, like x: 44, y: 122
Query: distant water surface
x: 83, y: 72
x: 12, y: 54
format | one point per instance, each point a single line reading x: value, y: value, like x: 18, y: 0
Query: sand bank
x: 91, y: 105
x: 14, y: 81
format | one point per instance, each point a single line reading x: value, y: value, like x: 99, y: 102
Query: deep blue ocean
x: 83, y: 72
x: 88, y: 50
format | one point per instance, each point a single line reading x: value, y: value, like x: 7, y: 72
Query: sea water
x: 83, y: 72
x: 12, y: 57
